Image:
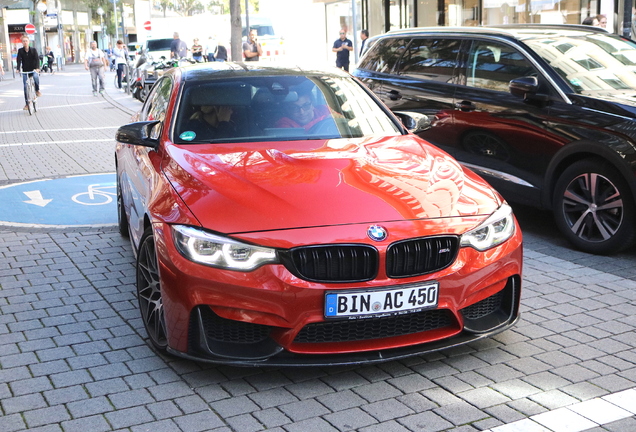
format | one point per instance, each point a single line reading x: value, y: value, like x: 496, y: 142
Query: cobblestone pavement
x: 73, y: 354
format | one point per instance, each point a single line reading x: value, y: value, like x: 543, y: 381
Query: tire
x: 594, y: 207
x: 35, y: 109
x: 149, y: 292
x: 122, y: 219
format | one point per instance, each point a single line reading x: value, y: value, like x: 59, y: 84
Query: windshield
x: 278, y: 108
x: 589, y: 62
x: 159, y: 44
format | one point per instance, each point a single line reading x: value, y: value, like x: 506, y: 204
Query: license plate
x: 393, y: 301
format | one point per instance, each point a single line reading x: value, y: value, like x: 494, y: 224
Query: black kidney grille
x: 337, y: 263
x: 374, y: 328
x: 225, y: 330
x: 420, y: 256
x: 484, y: 307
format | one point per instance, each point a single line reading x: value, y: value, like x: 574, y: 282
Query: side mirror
x: 523, y: 86
x: 413, y: 121
x: 138, y: 133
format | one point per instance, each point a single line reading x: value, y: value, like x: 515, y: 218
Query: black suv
x: 547, y: 114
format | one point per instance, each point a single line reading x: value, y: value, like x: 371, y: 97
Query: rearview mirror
x: 138, y: 133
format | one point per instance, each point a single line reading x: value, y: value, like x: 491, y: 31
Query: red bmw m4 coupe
x: 284, y: 216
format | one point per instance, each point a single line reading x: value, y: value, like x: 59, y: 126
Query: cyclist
x: 29, y: 59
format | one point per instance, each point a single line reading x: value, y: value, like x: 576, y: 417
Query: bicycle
x: 30, y: 93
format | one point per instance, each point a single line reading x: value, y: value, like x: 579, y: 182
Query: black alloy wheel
x: 594, y: 208
x: 149, y: 292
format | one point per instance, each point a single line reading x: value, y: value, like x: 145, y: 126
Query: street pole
x: 247, y: 19
x: 60, y: 38
x: 100, y: 12
x: 116, y: 22
x: 41, y: 8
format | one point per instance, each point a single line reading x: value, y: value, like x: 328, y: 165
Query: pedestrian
x: 58, y: 57
x: 342, y: 46
x: 364, y: 35
x: 111, y: 57
x: 602, y: 21
x: 29, y: 60
x: 252, y: 49
x: 197, y: 51
x: 96, y: 62
x: 178, y: 48
x: 210, y: 48
x: 221, y: 54
x: 1, y: 65
x: 121, y: 54
x: 50, y: 58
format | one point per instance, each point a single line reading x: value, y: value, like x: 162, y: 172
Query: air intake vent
x: 420, y: 256
x: 375, y: 328
x: 337, y: 263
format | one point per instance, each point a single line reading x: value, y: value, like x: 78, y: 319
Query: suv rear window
x: 384, y: 55
x: 159, y: 44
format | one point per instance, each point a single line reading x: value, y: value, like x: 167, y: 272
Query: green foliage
x: 224, y: 6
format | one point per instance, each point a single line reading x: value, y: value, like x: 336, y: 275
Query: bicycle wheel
x: 35, y: 109
x: 30, y: 96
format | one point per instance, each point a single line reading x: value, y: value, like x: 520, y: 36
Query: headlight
x: 498, y: 228
x: 216, y: 251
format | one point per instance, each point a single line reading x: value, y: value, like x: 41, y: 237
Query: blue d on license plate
x: 360, y: 303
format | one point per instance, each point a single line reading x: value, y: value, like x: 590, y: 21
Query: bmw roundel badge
x: 377, y: 233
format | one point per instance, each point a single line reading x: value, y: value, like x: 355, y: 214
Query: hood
x: 234, y: 188
x: 622, y: 104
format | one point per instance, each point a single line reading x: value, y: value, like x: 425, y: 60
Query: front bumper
x: 269, y: 317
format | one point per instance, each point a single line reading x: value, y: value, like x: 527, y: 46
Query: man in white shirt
x: 210, y: 48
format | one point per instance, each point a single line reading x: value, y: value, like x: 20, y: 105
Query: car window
x: 159, y: 44
x: 433, y: 59
x: 492, y: 65
x: 384, y: 55
x: 156, y: 104
x: 278, y: 108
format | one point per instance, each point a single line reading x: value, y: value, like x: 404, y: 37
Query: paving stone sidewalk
x: 73, y: 354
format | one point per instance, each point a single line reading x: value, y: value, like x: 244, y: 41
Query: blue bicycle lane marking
x: 85, y: 200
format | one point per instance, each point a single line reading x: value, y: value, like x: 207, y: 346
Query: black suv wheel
x: 594, y: 208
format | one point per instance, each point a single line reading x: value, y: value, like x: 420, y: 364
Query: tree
x: 164, y: 5
x: 236, y: 30
x: 188, y: 7
x: 224, y: 6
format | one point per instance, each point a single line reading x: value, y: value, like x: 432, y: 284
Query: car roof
x: 215, y: 70
x: 517, y: 31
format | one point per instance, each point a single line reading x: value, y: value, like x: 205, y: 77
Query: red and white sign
x: 29, y: 28
x: 147, y: 25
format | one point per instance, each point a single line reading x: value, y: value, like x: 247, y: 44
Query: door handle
x: 395, y: 95
x: 465, y: 106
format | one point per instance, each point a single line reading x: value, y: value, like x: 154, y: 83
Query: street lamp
x: 100, y: 12
x: 41, y: 7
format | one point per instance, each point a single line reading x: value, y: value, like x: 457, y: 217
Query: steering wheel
x: 326, y: 126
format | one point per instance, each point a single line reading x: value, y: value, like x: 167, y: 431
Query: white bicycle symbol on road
x: 97, y: 194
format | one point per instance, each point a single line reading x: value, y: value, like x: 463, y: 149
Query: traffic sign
x: 29, y: 28
x: 89, y: 200
x: 147, y: 25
